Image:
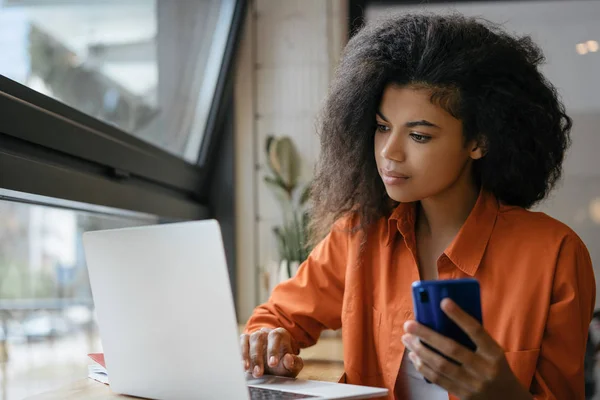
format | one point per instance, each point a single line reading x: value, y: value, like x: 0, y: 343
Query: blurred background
x: 119, y: 113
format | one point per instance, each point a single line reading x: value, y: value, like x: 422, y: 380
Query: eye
x: 382, y: 128
x: 417, y: 137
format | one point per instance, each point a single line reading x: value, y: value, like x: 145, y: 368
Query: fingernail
x: 256, y: 371
x: 272, y: 361
x: 244, y: 365
x: 247, y: 364
x: 405, y: 340
x: 415, y: 359
x: 447, y: 304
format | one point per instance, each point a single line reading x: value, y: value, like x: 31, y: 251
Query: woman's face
x: 420, y: 149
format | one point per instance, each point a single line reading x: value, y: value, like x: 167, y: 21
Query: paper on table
x: 98, y: 371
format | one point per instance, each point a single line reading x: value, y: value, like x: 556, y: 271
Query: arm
x: 312, y: 300
x: 559, y: 373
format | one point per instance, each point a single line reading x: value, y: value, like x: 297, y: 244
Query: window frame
x: 50, y: 149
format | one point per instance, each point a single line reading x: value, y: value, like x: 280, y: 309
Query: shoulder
x: 535, y: 226
x: 539, y: 239
x: 343, y: 231
x: 346, y: 223
x: 358, y: 235
x: 541, y: 255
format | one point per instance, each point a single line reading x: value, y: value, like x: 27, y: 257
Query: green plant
x: 292, y: 234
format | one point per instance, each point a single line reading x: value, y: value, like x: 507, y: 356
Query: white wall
x: 286, y: 60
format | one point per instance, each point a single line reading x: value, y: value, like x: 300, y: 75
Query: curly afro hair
x: 480, y: 74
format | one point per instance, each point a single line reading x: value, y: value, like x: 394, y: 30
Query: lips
x: 392, y: 174
x: 393, y: 178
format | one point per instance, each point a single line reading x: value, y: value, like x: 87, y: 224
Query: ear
x: 478, y: 148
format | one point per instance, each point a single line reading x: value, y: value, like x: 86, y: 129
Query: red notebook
x: 98, y: 357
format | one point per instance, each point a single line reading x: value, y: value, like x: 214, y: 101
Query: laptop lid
x: 165, y: 311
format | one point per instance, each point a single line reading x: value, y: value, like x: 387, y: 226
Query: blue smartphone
x: 427, y: 296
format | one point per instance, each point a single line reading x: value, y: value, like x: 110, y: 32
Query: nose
x: 394, y: 148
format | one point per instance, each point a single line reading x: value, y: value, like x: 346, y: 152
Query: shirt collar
x: 401, y: 221
x: 468, y: 247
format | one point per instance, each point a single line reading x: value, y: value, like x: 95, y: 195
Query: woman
x: 438, y: 134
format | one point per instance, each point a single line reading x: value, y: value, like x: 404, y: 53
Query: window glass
x: 149, y: 67
x: 47, y: 322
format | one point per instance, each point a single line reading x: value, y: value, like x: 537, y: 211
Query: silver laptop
x: 167, y: 321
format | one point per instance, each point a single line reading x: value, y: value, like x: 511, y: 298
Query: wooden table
x: 322, y: 362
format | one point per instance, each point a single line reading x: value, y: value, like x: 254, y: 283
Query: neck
x: 444, y: 214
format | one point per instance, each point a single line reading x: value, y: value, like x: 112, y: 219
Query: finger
x: 276, y: 346
x: 292, y: 364
x: 445, y: 345
x: 258, y: 343
x: 437, y: 378
x: 484, y: 342
x: 289, y: 365
x: 245, y: 346
x: 438, y: 363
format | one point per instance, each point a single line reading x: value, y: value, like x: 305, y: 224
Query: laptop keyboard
x: 268, y: 394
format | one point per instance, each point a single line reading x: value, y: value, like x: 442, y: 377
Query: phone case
x: 427, y: 296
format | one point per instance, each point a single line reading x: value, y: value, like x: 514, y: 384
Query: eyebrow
x: 410, y: 124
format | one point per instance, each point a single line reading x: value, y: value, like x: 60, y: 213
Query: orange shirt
x: 537, y: 288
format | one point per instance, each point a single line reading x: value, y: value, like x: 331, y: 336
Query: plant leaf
x: 281, y: 243
x: 274, y: 182
x: 273, y: 158
x: 268, y: 145
x: 288, y: 162
x: 305, y: 196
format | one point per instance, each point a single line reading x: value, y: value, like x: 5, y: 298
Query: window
x: 114, y: 114
x: 148, y: 67
x: 44, y: 140
x: 47, y: 324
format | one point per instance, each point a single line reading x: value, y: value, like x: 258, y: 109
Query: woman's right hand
x: 269, y: 351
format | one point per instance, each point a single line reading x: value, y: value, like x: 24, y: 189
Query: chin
x: 401, y: 196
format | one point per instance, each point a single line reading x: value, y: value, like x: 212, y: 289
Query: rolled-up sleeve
x: 311, y: 301
x: 559, y: 374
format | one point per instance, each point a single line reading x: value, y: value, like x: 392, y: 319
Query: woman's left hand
x: 483, y: 374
